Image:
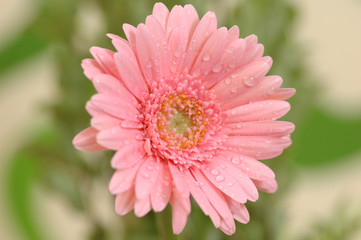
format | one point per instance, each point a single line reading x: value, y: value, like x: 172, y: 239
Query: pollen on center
x: 180, y: 122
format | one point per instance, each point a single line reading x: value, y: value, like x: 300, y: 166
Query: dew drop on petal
x: 271, y: 91
x: 148, y: 65
x: 219, y: 178
x: 206, y: 57
x: 177, y: 52
x: 214, y: 172
x: 235, y: 160
x: 248, y: 81
x: 234, y: 75
x: 228, y: 81
x: 217, y: 68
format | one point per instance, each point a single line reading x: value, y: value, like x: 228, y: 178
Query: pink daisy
x: 189, y: 111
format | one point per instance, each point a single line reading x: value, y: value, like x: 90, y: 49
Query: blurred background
x: 48, y: 190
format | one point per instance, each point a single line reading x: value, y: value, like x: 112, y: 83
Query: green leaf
x: 25, y: 46
x: 324, y: 138
x: 22, y: 174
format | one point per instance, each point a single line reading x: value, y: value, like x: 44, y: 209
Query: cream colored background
x: 331, y: 31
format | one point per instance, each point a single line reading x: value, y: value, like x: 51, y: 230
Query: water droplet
x: 148, y: 65
x: 235, y: 160
x: 228, y: 81
x: 206, y: 57
x: 234, y: 75
x: 177, y: 52
x: 248, y: 81
x: 223, y: 166
x: 217, y: 68
x: 215, y: 172
x: 232, y: 65
x: 229, y: 184
x: 271, y: 91
x: 233, y: 90
x: 219, y: 178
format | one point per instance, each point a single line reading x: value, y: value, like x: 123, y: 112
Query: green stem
x: 164, y: 225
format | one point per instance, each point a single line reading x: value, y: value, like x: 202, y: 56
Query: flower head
x: 189, y: 111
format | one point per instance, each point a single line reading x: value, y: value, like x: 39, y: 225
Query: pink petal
x: 211, y: 52
x: 265, y: 128
x: 130, y: 73
x: 283, y: 94
x: 205, y: 28
x: 117, y: 137
x: 108, y: 84
x: 146, y: 177
x: 177, y: 176
x: 253, y: 168
x: 253, y: 50
x: 162, y: 189
x: 105, y: 59
x: 180, y: 214
x: 147, y: 55
x: 192, y: 19
x: 128, y: 156
x: 251, y: 40
x: 227, y: 63
x: 233, y: 34
x: 268, y: 186
x: 86, y: 141
x: 239, y: 211
x: 116, y: 106
x: 180, y: 200
x: 241, y: 80
x: 202, y: 199
x: 179, y: 220
x: 228, y: 226
x: 124, y: 202
x: 161, y: 46
x: 177, y: 44
x: 180, y: 27
x: 129, y: 31
x: 91, y: 68
x: 104, y: 121
x: 123, y: 180
x: 142, y: 207
x: 93, y: 110
x: 230, y: 180
x: 176, y: 19
x: 257, y: 111
x: 261, y: 91
x: 161, y: 12
x: 256, y: 146
x: 214, y: 196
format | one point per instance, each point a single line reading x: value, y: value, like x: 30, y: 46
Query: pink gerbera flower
x: 189, y: 111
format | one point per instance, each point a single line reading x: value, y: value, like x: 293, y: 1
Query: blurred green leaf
x: 25, y: 46
x: 324, y: 138
x: 21, y: 176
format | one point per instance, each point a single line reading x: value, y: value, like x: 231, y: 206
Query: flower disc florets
x: 182, y: 121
